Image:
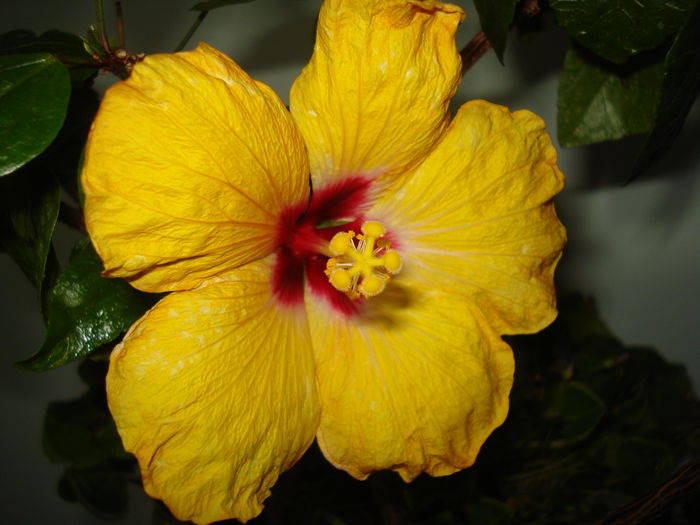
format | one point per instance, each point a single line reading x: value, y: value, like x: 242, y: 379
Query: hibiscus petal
x: 374, y: 98
x: 415, y: 383
x: 187, y: 168
x: 477, y: 216
x: 214, y: 392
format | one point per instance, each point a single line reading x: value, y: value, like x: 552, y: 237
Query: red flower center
x: 303, y: 234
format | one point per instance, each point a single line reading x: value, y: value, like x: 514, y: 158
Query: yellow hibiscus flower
x: 281, y: 326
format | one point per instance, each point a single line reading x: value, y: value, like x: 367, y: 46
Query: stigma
x: 362, y: 264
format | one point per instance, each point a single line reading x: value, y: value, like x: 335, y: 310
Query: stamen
x: 362, y: 264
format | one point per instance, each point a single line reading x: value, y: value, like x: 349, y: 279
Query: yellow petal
x: 414, y: 384
x: 477, y: 218
x: 374, y: 98
x: 214, y: 392
x: 187, y: 168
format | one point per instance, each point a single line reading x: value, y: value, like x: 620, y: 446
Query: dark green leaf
x: 34, y: 94
x: 645, y: 460
x: 86, y: 311
x: 29, y: 202
x: 92, y: 42
x: 68, y: 48
x: 489, y: 511
x: 64, y: 155
x: 81, y: 432
x: 102, y: 490
x: 680, y: 88
x: 599, y: 101
x: 578, y: 410
x: 57, y: 43
x: 648, y: 406
x: 496, y: 17
x: 214, y: 4
x: 618, y: 29
x: 16, y: 41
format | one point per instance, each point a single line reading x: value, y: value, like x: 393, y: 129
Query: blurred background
x: 634, y: 248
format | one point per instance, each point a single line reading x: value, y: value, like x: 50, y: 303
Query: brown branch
x: 474, y: 50
x: 530, y: 8
x: 652, y: 504
x: 120, y: 24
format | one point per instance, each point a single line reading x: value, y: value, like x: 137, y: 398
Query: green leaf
x: 618, y: 29
x: 330, y: 223
x: 81, y: 432
x: 57, y: 43
x: 64, y: 155
x: 680, y: 88
x: 496, y: 17
x: 489, y: 511
x: 66, y: 47
x: 642, y: 458
x: 16, y: 41
x: 29, y: 203
x: 86, y: 311
x: 599, y: 101
x: 578, y: 410
x: 34, y: 94
x: 214, y: 4
x: 102, y: 489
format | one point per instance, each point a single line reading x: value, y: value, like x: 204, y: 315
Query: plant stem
x: 120, y: 25
x: 474, y: 50
x: 186, y: 38
x: 530, y: 8
x: 682, y: 485
x: 100, y: 13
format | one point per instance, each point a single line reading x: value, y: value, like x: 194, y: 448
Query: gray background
x: 635, y: 249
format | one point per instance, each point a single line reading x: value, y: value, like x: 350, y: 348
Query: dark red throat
x: 303, y: 232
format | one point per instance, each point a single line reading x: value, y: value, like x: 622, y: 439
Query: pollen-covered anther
x: 392, y: 262
x: 362, y: 265
x: 341, y: 243
x: 340, y: 279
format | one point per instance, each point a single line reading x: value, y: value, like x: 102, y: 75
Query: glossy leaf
x: 57, y: 43
x: 29, y: 204
x: 66, y: 47
x: 214, y: 4
x: 598, y: 101
x: 86, y: 311
x: 34, y: 94
x: 618, y: 29
x: 679, y: 90
x: 496, y: 17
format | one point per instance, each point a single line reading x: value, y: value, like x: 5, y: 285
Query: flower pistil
x: 362, y: 268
